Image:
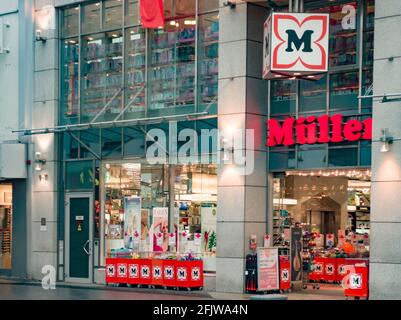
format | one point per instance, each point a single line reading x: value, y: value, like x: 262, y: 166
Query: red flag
x: 152, y: 13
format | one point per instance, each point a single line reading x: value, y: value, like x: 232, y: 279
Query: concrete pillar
x: 385, y: 260
x: 242, y: 105
x: 43, y: 244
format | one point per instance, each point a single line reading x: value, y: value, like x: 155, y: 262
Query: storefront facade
x: 108, y: 87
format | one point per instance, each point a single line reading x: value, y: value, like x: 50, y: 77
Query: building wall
x: 385, y: 262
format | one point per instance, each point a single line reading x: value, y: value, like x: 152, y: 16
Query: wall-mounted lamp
x: 386, y: 140
x: 230, y: 4
x: 43, y: 177
x: 39, y: 161
x: 39, y: 36
x: 226, y: 148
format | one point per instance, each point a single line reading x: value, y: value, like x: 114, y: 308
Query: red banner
x: 152, y: 13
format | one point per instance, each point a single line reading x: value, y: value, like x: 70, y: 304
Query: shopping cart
x: 308, y: 269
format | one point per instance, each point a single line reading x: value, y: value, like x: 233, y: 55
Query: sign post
x: 268, y: 269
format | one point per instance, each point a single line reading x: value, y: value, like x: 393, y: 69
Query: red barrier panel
x: 357, y: 282
x: 189, y: 274
x: 111, y: 271
x: 133, y: 271
x: 318, y: 269
x: 169, y: 273
x: 157, y: 272
x: 285, y: 273
x: 341, y: 263
x: 145, y: 271
x: 330, y: 268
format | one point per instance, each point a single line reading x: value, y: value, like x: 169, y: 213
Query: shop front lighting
x: 39, y: 161
x: 386, y: 140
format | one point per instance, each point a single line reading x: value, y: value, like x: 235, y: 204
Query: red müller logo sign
x: 313, y: 130
x: 295, y: 45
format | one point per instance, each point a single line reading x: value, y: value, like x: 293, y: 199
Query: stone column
x: 242, y: 105
x: 385, y: 257
x: 43, y: 244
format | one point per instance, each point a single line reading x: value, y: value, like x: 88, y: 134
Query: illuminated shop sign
x: 295, y: 45
x: 313, y: 130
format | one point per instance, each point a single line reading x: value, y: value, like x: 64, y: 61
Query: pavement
x: 18, y: 290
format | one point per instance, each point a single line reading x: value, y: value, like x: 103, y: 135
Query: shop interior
x: 331, y: 206
x: 140, y: 219
x: 5, y: 226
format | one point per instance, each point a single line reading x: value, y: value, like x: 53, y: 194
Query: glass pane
x: 79, y: 175
x: 172, y: 68
x: 311, y: 158
x: 91, y: 17
x: 101, y: 76
x: 366, y: 153
x: 367, y: 89
x: 70, y: 24
x: 313, y: 95
x: 135, y: 72
x: 368, y: 33
x: 91, y: 138
x: 134, y: 142
x: 282, y: 160
x: 208, y: 62
x: 132, y: 12
x: 69, y: 81
x: 208, y: 5
x: 343, y: 157
x: 70, y: 147
x: 113, y: 14
x: 6, y: 225
x: 179, y: 8
x: 283, y: 95
x: 344, y: 90
x: 111, y: 142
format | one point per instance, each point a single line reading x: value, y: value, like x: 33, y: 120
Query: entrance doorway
x: 79, y: 235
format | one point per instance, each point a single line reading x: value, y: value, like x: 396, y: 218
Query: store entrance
x: 332, y: 207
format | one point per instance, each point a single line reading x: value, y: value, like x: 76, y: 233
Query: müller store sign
x: 313, y: 130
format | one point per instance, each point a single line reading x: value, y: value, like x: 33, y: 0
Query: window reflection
x: 101, y: 76
x: 70, y: 81
x: 208, y: 61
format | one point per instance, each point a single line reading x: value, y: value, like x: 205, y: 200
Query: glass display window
x: 283, y: 96
x: 6, y: 225
x: 172, y: 68
x: 111, y: 142
x: 70, y: 81
x: 135, y: 72
x: 344, y: 89
x: 343, y: 44
x: 101, y: 79
x: 132, y: 12
x: 208, y: 65
x: 70, y: 22
x: 137, y: 207
x: 313, y: 95
x: 208, y: 5
x: 113, y: 14
x: 91, y: 17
